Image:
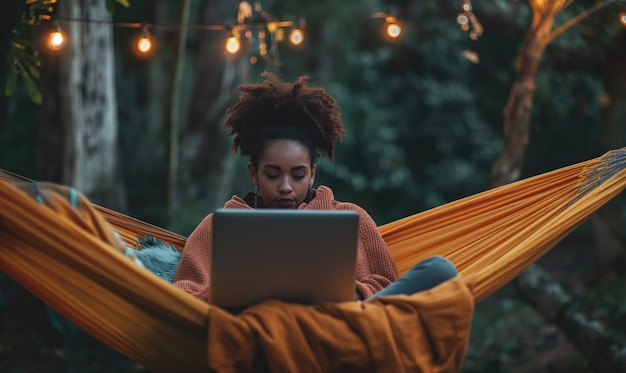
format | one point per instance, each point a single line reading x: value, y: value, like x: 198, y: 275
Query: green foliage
x: 567, y: 108
x: 23, y: 63
x: 607, y: 302
x: 417, y: 135
x: 17, y: 134
x: 111, y: 4
x: 22, y: 59
x: 36, y: 11
x: 495, y: 337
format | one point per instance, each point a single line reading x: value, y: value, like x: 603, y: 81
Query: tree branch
x: 572, y: 21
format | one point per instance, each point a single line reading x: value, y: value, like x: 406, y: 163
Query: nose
x: 285, y: 186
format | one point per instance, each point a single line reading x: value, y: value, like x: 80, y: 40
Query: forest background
x: 424, y: 115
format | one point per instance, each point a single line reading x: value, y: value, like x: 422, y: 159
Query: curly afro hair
x: 275, y: 110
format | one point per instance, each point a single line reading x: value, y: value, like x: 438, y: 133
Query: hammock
x: 68, y: 261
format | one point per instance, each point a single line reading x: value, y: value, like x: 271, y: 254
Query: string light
x: 296, y: 37
x: 467, y: 6
x: 392, y: 27
x: 467, y: 19
x: 144, y: 42
x: 232, y: 44
x: 463, y: 21
x: 144, y: 45
x: 262, y: 43
x: 56, y: 39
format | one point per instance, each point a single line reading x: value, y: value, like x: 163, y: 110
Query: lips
x: 285, y: 202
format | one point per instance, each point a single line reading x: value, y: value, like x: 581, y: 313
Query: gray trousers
x: 422, y: 276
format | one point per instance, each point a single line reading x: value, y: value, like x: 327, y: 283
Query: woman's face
x: 284, y: 175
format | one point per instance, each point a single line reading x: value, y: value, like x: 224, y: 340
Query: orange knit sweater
x: 375, y: 267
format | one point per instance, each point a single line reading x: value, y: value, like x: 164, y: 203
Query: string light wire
x: 145, y: 43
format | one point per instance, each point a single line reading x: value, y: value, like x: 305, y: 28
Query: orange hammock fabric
x: 66, y: 254
x: 67, y: 259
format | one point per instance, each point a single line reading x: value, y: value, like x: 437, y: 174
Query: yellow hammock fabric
x: 491, y: 237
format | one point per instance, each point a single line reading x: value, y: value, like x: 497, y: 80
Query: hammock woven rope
x: 491, y: 236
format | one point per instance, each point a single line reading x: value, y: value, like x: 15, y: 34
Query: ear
x: 253, y: 174
x: 313, y: 170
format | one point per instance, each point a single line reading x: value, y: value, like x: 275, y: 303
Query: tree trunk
x: 88, y: 105
x: 173, y: 111
x: 50, y: 137
x: 517, y: 115
x: 517, y: 112
x: 206, y: 148
x: 603, y: 351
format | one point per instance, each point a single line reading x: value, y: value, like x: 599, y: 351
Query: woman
x: 284, y: 128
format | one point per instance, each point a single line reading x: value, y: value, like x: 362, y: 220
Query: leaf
x: 32, y: 66
x: 29, y: 83
x: 111, y: 4
x: 11, y: 83
x: 31, y: 88
x: 18, y: 46
x: 26, y: 57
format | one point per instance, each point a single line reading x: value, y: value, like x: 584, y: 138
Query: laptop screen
x: 302, y: 256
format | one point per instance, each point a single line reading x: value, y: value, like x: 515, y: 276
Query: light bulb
x: 232, y: 45
x: 144, y: 44
x: 296, y: 37
x: 394, y: 30
x: 392, y: 27
x: 56, y: 40
x: 463, y: 21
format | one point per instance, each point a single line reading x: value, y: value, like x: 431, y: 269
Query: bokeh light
x: 392, y: 27
x: 144, y: 44
x: 232, y: 45
x: 296, y: 37
x: 56, y: 40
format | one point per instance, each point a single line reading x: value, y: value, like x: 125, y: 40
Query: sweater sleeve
x: 192, y: 274
x: 375, y: 268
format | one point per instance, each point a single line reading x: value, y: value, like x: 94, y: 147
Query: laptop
x: 299, y: 256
